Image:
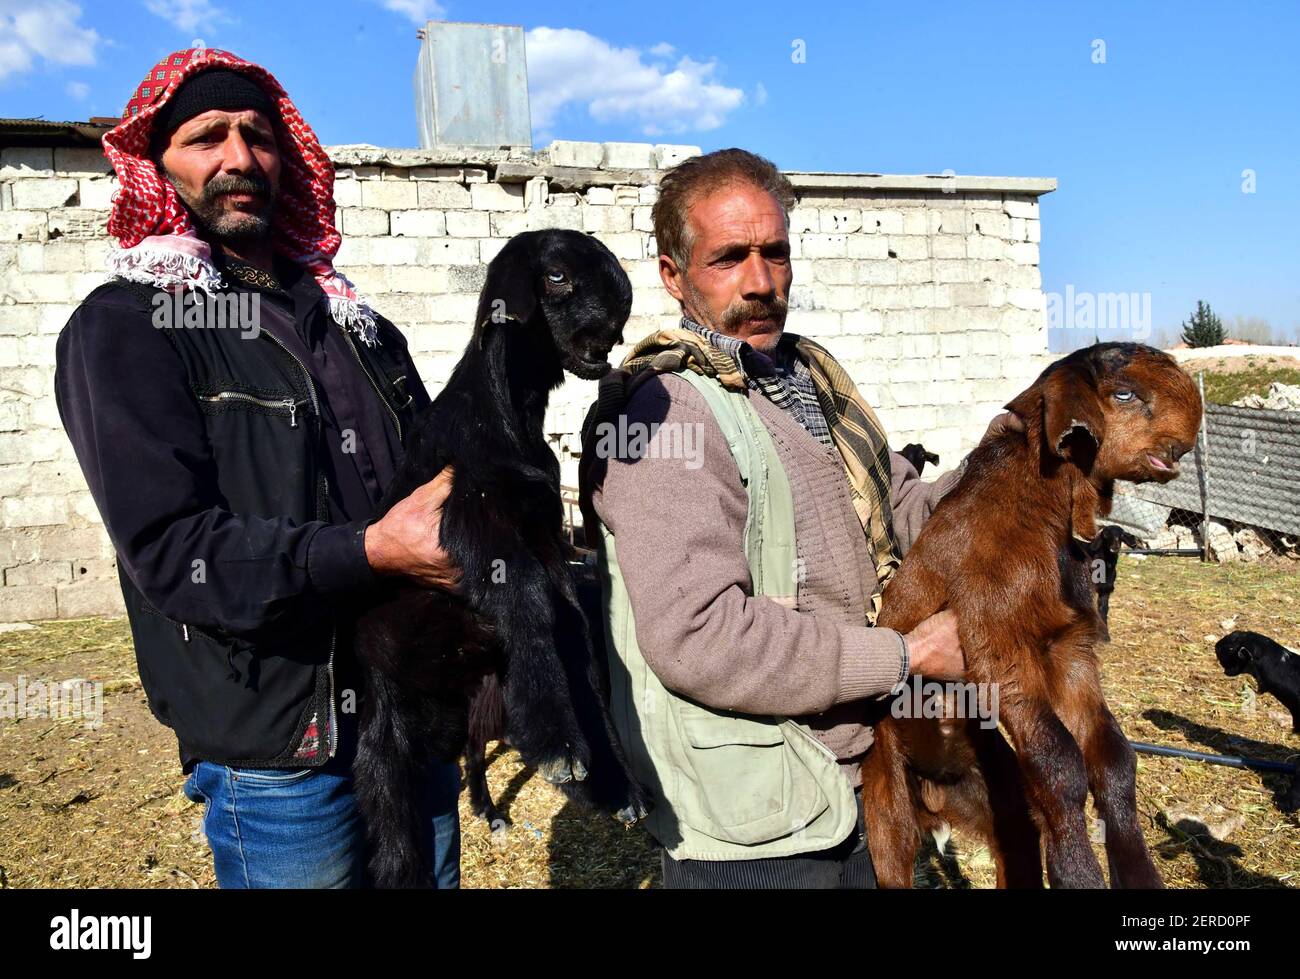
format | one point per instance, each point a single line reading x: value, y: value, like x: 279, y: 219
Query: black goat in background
x: 916, y: 454
x: 1105, y: 548
x: 553, y: 301
x: 1276, y: 670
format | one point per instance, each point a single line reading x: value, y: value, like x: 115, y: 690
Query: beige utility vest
x: 726, y: 786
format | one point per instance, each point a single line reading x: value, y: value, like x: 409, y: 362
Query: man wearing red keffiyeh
x: 236, y: 469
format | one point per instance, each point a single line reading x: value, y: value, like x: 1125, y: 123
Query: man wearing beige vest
x: 748, y: 512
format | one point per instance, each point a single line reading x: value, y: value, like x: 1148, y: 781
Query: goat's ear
x: 1072, y: 419
x: 509, y: 292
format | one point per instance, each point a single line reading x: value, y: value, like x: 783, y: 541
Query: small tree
x: 1204, y: 329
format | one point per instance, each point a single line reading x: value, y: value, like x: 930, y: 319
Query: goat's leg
x: 1056, y: 781
x: 1010, y: 830
x: 480, y: 796
x: 540, y: 718
x: 486, y: 723
x: 612, y: 786
x: 1112, y: 776
x: 390, y: 771
x: 889, y: 809
x: 507, y: 583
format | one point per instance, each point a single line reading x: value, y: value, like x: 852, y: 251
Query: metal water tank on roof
x: 471, y: 86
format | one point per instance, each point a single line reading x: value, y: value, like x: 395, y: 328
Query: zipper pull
x: 293, y: 412
x: 185, y: 631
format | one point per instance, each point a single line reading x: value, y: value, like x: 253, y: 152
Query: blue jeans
x: 300, y: 827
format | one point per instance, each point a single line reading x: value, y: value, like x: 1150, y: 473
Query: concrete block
x: 419, y: 224
x: 606, y: 218
x: 26, y: 161
x: 390, y: 195
x: 364, y: 221
x: 34, y: 511
x: 668, y: 155
x: 1017, y: 207
x: 80, y: 160
x: 497, y: 197
x: 824, y: 246
x: 571, y: 153
x: 443, y: 194
x: 75, y: 222
x: 468, y: 224
x: 454, y: 251
x: 839, y: 220
x: 97, y: 192
x: 50, y: 192
x: 628, y: 156
x: 347, y: 193
x: 28, y: 602
x: 883, y: 222
x: 87, y: 598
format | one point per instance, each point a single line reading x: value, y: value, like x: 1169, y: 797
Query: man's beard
x: 215, y: 223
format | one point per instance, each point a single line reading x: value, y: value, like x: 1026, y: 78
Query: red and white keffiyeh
x: 159, y: 245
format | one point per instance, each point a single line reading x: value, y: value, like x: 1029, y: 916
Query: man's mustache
x: 234, y: 184
x: 755, y: 309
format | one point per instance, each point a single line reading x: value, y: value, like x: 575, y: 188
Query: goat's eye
x: 1124, y: 396
x: 556, y: 277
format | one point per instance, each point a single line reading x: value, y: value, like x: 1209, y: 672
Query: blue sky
x: 1149, y: 147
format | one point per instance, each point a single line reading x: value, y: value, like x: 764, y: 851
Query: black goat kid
x: 553, y: 301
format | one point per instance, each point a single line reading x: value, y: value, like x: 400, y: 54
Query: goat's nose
x: 1179, y: 449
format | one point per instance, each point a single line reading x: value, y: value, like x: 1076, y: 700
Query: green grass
x: 1223, y: 389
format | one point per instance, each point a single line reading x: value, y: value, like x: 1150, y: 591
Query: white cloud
x: 188, y: 16
x: 760, y: 94
x: 50, y: 32
x: 567, y: 66
x: 78, y: 90
x: 662, y: 50
x: 418, y: 11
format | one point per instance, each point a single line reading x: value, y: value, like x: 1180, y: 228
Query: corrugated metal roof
x: 45, y: 132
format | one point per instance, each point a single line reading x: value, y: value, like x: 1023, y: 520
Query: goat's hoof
x: 631, y: 814
x: 565, y: 768
x: 499, y: 829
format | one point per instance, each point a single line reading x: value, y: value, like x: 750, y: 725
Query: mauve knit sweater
x: 680, y: 536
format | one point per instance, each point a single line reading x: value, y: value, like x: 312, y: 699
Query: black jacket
x: 206, y: 453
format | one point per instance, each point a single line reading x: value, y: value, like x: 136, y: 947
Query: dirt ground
x: 102, y: 807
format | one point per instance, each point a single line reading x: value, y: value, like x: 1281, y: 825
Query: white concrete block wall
x: 927, y: 289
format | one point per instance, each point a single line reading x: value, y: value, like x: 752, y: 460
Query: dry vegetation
x: 103, y: 807
x: 1229, y: 379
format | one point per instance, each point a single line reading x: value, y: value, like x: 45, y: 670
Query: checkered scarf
x: 854, y: 428
x: 159, y: 244
x: 782, y: 378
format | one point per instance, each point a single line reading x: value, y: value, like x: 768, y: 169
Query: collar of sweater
x: 751, y: 362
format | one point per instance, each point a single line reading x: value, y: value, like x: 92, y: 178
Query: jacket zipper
x: 264, y: 402
x: 329, y: 665
x: 355, y: 353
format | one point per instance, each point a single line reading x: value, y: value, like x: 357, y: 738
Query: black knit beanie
x: 216, y: 88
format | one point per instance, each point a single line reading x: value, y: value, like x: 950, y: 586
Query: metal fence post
x: 1205, y: 474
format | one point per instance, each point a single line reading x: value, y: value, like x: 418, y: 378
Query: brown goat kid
x: 1006, y: 551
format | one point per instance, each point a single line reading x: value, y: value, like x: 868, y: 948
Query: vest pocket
x: 740, y: 774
